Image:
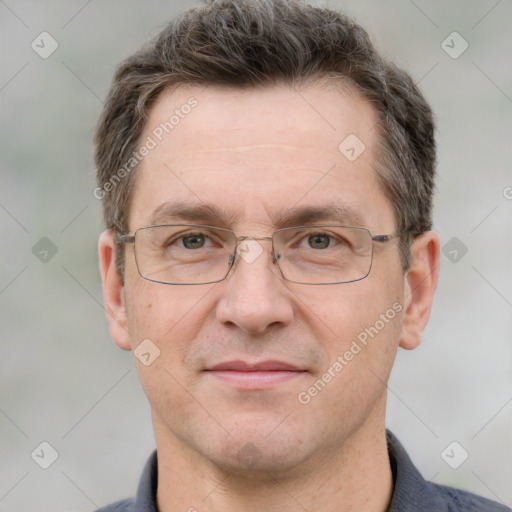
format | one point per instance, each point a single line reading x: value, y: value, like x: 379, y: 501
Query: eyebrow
x: 172, y: 212
x: 191, y: 212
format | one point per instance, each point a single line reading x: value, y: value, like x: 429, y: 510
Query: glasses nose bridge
x: 248, y: 237
x: 242, y: 238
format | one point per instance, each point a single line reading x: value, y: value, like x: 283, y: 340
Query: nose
x: 254, y: 296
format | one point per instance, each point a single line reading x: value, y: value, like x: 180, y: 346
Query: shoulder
x: 126, y: 505
x: 464, y: 501
x: 412, y: 493
x: 145, y: 498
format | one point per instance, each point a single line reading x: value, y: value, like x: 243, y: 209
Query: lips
x: 265, y: 366
x: 254, y: 376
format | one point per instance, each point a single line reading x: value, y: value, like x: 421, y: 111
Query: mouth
x: 257, y: 376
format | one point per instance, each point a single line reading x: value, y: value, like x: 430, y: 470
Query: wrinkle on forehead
x: 256, y: 146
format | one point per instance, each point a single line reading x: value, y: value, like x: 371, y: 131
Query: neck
x: 357, y: 476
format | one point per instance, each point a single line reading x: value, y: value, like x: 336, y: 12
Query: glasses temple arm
x: 126, y: 239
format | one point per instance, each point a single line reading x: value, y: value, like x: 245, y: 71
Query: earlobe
x: 420, y: 285
x: 113, y: 291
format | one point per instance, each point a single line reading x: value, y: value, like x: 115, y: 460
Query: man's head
x: 277, y: 106
x: 244, y: 44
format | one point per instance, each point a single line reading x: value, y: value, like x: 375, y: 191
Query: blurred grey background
x: 62, y: 379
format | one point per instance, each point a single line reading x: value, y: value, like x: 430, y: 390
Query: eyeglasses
x: 196, y: 254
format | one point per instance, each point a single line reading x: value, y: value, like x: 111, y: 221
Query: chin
x: 259, y: 448
x: 260, y: 462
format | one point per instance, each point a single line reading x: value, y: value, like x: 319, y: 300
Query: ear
x: 113, y: 291
x: 420, y: 285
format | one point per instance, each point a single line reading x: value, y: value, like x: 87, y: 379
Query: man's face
x: 254, y: 154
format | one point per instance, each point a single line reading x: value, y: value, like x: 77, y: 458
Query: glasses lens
x: 195, y: 254
x: 324, y: 254
x: 184, y: 254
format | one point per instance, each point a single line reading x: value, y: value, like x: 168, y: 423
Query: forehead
x: 255, y: 153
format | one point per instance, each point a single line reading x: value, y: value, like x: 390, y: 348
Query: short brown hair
x: 258, y: 43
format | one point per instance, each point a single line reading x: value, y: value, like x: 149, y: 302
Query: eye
x: 189, y: 241
x: 319, y: 241
x: 323, y: 240
x: 194, y: 241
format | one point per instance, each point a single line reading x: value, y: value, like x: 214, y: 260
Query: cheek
x: 170, y: 316
x: 359, y: 327
x: 157, y: 321
x: 346, y: 310
x: 140, y: 308
x: 359, y: 358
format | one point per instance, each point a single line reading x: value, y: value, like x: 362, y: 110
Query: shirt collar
x: 409, y: 486
x: 146, y: 492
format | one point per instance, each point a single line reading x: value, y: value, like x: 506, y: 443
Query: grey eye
x: 193, y: 241
x: 319, y: 241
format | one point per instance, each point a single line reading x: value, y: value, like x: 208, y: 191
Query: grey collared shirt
x: 411, y: 492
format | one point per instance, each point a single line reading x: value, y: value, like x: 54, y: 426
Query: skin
x: 255, y: 152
